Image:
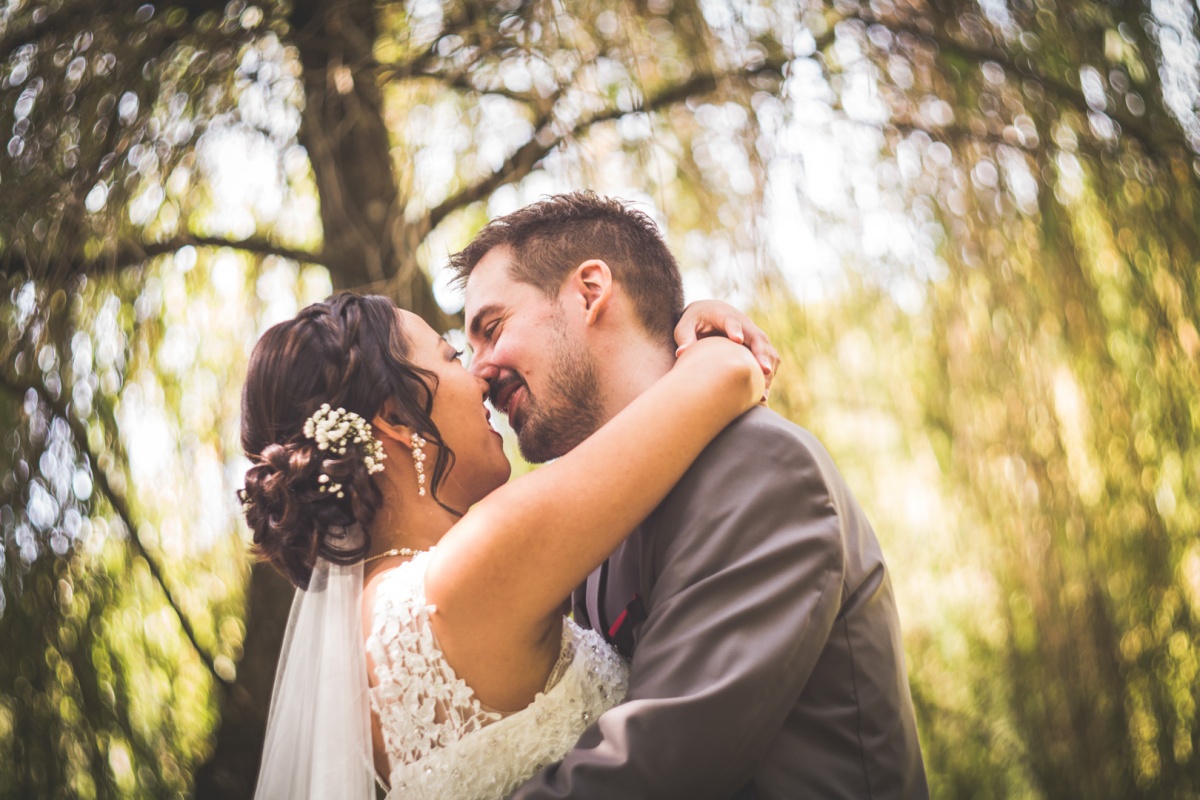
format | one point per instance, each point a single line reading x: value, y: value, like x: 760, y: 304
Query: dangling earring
x: 419, y: 462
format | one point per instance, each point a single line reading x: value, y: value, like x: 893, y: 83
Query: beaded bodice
x: 441, y: 741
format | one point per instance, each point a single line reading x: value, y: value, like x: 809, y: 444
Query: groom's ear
x: 591, y: 286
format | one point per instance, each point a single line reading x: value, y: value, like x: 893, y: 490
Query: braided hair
x: 349, y: 351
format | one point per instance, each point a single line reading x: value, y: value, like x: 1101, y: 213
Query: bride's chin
x: 498, y: 479
x: 502, y: 476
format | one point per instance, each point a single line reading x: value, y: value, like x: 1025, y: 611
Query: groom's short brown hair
x: 551, y: 237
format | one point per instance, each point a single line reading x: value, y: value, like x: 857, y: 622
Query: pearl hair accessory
x: 419, y: 461
x: 334, y: 430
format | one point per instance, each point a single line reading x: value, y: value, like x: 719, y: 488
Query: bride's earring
x: 419, y: 461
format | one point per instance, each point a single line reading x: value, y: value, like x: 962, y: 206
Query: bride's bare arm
x: 518, y: 553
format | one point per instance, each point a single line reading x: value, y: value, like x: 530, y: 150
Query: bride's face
x: 480, y: 465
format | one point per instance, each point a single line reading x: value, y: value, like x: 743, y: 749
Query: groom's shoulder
x: 761, y: 435
x: 762, y: 466
x: 760, y: 453
x: 761, y: 419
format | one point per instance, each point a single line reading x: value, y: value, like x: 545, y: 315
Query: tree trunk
x: 369, y: 245
x: 346, y: 138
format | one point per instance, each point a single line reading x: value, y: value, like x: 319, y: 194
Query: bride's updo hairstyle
x: 350, y: 352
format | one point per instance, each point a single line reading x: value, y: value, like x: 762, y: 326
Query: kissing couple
x: 733, y: 631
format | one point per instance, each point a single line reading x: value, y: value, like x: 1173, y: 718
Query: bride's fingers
x: 685, y: 334
x: 710, y: 317
x: 688, y: 333
x: 730, y: 327
x: 733, y: 330
x: 763, y: 351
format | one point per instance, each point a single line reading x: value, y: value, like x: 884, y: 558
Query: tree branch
x: 460, y: 81
x: 543, y: 141
x: 18, y: 389
x: 258, y: 246
x: 125, y: 254
x: 947, y: 134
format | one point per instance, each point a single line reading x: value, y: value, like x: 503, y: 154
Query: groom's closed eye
x: 484, y: 316
x: 489, y: 330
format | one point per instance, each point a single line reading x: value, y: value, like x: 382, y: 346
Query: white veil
x: 318, y: 742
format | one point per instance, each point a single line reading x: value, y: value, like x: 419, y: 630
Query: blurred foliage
x: 970, y: 228
x: 122, y: 608
x: 1044, y: 156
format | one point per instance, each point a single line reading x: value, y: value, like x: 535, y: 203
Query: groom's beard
x: 565, y: 412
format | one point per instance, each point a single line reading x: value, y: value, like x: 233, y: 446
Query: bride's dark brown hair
x: 350, y: 352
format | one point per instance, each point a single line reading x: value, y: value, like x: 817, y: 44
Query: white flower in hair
x: 334, y: 430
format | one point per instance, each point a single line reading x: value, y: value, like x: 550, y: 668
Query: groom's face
x: 539, y: 371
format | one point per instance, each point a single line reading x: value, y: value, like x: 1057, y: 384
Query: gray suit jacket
x: 766, y: 652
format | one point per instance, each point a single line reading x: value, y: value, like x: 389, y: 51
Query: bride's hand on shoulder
x: 719, y: 365
x: 708, y: 318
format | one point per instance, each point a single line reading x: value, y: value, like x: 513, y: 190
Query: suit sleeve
x: 750, y: 572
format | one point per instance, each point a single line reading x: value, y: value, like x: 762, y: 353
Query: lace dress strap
x: 420, y: 702
x: 442, y: 743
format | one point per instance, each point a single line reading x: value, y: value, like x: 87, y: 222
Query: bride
x: 428, y: 651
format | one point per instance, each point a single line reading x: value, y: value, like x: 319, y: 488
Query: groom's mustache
x: 499, y: 388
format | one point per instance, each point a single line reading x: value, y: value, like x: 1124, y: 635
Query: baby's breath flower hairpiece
x: 334, y: 430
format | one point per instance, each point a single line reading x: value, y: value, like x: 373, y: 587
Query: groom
x: 754, y: 602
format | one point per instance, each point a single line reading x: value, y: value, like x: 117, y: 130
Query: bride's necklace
x: 407, y: 552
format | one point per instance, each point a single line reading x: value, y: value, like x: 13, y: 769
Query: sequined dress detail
x: 441, y: 741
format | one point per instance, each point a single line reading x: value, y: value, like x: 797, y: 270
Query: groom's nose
x: 482, y: 367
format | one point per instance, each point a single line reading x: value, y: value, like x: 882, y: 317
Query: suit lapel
x: 620, y: 595
x: 594, y: 598
x: 612, y: 601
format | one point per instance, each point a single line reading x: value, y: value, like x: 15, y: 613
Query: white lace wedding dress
x: 441, y: 742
